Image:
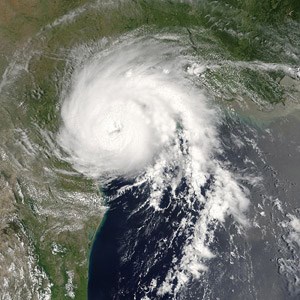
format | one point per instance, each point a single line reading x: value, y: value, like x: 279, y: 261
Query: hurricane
x: 127, y: 107
x: 132, y: 112
x: 149, y: 150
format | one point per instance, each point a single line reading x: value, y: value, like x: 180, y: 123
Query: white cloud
x: 126, y: 116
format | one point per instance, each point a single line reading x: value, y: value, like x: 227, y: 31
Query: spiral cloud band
x: 133, y: 111
x: 124, y: 108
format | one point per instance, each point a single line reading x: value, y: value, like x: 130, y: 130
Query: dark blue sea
x: 137, y: 243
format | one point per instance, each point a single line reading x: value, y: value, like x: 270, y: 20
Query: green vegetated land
x: 253, y: 21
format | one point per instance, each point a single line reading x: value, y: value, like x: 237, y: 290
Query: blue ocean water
x: 123, y: 258
x: 137, y: 243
